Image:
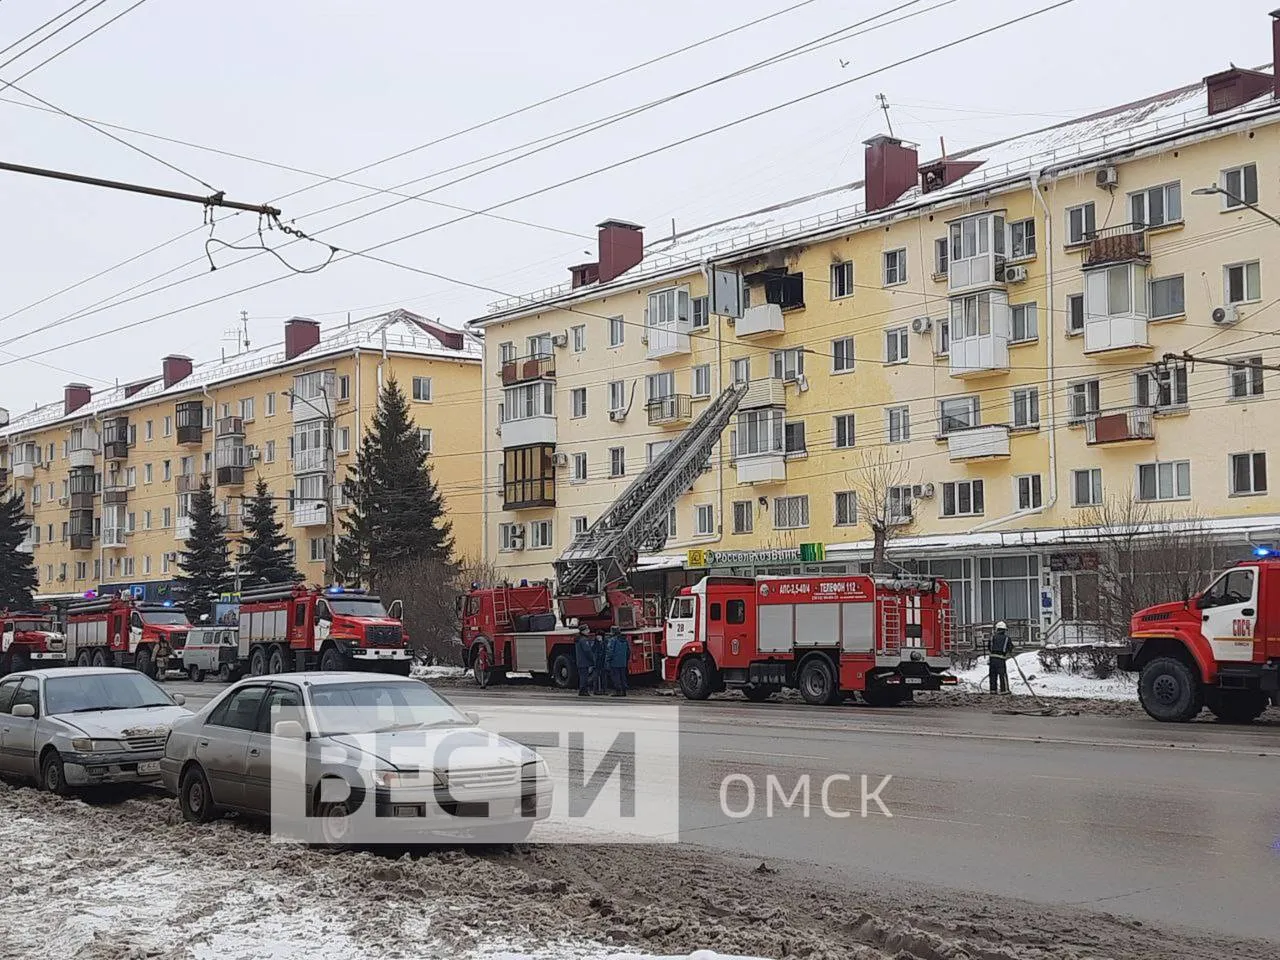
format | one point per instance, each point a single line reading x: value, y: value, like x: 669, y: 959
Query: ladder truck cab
x: 591, y: 576
x: 121, y: 632
x: 30, y: 638
x: 1220, y: 649
x: 287, y: 627
x: 827, y: 636
x: 514, y: 629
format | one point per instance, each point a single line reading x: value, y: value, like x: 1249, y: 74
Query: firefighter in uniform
x: 163, y: 653
x: 999, y: 649
x: 618, y: 652
x: 584, y: 658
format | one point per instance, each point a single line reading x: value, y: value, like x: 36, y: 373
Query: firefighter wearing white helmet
x: 999, y: 649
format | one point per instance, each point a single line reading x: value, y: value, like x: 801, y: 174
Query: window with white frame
x: 1081, y: 223
x: 895, y: 267
x: 654, y: 450
x: 671, y: 524
x: 168, y: 427
x: 578, y: 337
x: 1156, y: 206
x: 540, y: 534
x: 1022, y: 317
x: 1022, y: 238
x: 319, y: 547
x: 759, y: 432
x: 1118, y: 290
x: 539, y: 345
x: 704, y: 520
x: 507, y: 352
x: 166, y: 518
x: 701, y: 313
x: 1083, y: 399
x: 1246, y: 377
x: 148, y: 431
x: 579, y: 525
x: 790, y: 513
x: 344, y: 387
x: 530, y: 400
x: 846, y: 508
x: 343, y: 440
x: 269, y: 451
x: 1248, y: 473
x: 1026, y: 407
x: 940, y: 259
x: 422, y: 389
x: 617, y: 331
x: 660, y: 385
x: 793, y: 438
x: 843, y: 431
x: 1242, y: 282
x: 788, y: 364
x: 1242, y: 185
x: 1165, y: 480
x: 579, y: 462
x: 617, y: 395
x: 744, y: 512
x: 740, y: 370
x: 842, y: 280
x: 942, y: 337
x: 1028, y: 487
x: 1163, y: 390
x: 970, y: 316
x: 1167, y: 297
x: 898, y: 424
x: 896, y: 349
x: 668, y: 307
x: 246, y: 409
x: 424, y: 439
x: 701, y: 380
x: 508, y: 536
x: 898, y: 502
x: 958, y: 413
x: 1075, y: 313
x: 962, y: 498
x: 617, y: 461
x: 578, y: 402
x: 842, y: 355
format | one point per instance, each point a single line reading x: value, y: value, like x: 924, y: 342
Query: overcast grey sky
x: 326, y: 86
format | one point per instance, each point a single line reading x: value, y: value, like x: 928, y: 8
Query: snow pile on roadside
x: 1065, y: 683
x: 585, y: 952
x: 436, y: 671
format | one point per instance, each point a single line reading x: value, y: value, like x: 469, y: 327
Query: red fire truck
x: 513, y: 629
x: 115, y: 631
x: 295, y: 627
x: 828, y: 636
x: 1220, y: 649
x: 27, y: 638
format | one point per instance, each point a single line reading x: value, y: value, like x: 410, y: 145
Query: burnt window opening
x: 780, y: 287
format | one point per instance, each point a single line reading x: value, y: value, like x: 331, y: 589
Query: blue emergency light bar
x: 1263, y: 552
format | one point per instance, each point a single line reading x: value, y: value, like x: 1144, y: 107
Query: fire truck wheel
x: 695, y: 678
x: 1170, y: 691
x: 331, y: 659
x: 757, y: 694
x: 275, y: 662
x: 564, y: 672
x: 817, y: 682
x: 99, y: 658
x: 1236, y: 706
x: 142, y: 662
x: 257, y: 662
x: 194, y: 797
x: 83, y: 659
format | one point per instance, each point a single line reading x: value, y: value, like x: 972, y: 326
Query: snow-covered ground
x: 436, y: 671
x: 1065, y: 683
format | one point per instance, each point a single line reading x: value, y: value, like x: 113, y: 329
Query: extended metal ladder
x: 637, y: 520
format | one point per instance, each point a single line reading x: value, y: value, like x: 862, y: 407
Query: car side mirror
x: 396, y: 610
x: 289, y: 729
x: 23, y: 710
x: 473, y: 718
x: 1201, y: 602
x: 179, y: 699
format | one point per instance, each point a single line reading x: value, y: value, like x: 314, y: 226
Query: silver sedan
x: 353, y: 758
x: 84, y: 726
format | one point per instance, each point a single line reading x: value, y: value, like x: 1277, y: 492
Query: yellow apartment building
x: 107, y: 475
x: 986, y: 326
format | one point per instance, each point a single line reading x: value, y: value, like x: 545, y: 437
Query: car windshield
x: 377, y: 707
x: 166, y: 618
x: 348, y: 607
x: 102, y: 691
x: 30, y: 626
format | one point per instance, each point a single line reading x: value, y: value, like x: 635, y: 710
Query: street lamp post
x: 1213, y: 188
x: 329, y: 526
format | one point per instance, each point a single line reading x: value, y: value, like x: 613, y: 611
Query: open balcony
x: 1126, y: 243
x: 1123, y: 425
x: 989, y: 442
x: 537, y: 366
x: 189, y: 482
x: 115, y: 491
x: 676, y: 408
x: 779, y: 292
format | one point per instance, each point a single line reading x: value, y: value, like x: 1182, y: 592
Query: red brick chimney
x: 75, y: 396
x: 891, y: 170
x: 450, y: 339
x: 621, y: 248
x: 174, y: 368
x: 300, y: 335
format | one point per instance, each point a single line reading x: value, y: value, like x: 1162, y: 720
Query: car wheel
x: 194, y: 797
x: 257, y: 662
x: 331, y: 659
x: 100, y: 658
x: 335, y: 823
x: 275, y: 662
x: 53, y: 775
x: 142, y: 662
x: 195, y: 674
x: 817, y: 682
x: 83, y: 659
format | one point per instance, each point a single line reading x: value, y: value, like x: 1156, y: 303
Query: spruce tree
x: 206, y: 569
x: 265, y: 556
x: 397, y: 512
x: 17, y: 570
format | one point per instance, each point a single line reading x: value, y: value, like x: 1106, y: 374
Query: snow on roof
x: 1132, y: 126
x: 398, y: 331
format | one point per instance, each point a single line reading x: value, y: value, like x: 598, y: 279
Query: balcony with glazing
x: 188, y: 419
x: 314, y: 395
x: 676, y: 408
x: 1123, y: 425
x: 976, y: 257
x: 114, y: 528
x: 980, y: 328
x: 309, y: 513
x: 115, y: 490
x: 230, y: 458
x: 758, y: 442
x: 1116, y: 310
x: 115, y: 438
x: 83, y: 448
x: 82, y: 486
x: 80, y: 529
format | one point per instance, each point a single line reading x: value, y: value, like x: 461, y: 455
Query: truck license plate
x: 385, y: 653
x: 915, y: 680
x: 148, y: 766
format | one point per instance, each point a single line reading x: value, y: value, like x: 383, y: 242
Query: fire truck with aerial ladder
x: 117, y: 631
x: 886, y: 637
x: 28, y: 638
x: 1220, y: 649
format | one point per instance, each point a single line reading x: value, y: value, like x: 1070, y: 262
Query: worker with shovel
x: 999, y: 650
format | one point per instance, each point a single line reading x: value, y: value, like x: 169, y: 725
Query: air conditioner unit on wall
x: 560, y: 459
x: 252, y: 453
x: 922, y: 491
x: 1107, y: 177
x: 560, y: 340
x: 922, y: 324
x: 1015, y: 274
x: 617, y: 416
x: 172, y: 556
x: 1226, y: 315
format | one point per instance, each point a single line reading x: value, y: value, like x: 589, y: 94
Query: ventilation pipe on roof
x: 75, y: 396
x: 891, y: 169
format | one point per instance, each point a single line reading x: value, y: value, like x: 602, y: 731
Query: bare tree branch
x: 873, y: 480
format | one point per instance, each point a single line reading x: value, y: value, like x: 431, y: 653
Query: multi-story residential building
x: 985, y: 324
x: 108, y: 476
